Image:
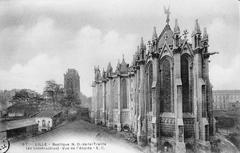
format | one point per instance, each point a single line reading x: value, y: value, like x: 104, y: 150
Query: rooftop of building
x: 9, y: 125
x: 48, y: 113
x: 226, y: 91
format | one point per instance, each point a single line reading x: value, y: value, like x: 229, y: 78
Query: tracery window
x: 165, y: 86
x: 124, y: 93
x: 149, y: 87
x: 186, y: 90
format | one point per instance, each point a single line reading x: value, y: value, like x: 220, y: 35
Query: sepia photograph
x: 119, y: 76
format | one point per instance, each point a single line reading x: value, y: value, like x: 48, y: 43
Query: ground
x: 78, y: 136
x: 73, y: 137
x: 225, y: 146
x: 228, y: 125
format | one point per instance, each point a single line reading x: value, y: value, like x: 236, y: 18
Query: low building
x: 48, y: 119
x: 225, y: 99
x: 18, y: 128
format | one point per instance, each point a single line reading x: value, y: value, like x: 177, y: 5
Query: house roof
x: 9, y: 125
x: 48, y: 113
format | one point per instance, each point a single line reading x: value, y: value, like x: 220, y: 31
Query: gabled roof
x: 165, y: 36
x: 187, y: 45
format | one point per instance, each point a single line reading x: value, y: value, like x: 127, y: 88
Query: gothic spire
x: 154, y: 36
x: 123, y: 59
x: 109, y: 68
x: 197, y: 29
x: 176, y: 28
x: 205, y: 34
x: 142, y: 45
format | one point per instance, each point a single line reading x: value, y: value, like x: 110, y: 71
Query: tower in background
x: 72, y: 83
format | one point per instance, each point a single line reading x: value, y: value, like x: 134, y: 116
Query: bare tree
x: 53, y: 90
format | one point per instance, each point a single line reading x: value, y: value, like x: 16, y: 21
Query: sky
x: 40, y: 39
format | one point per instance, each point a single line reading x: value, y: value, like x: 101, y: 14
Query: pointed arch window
x: 149, y: 87
x: 115, y: 92
x: 166, y: 102
x: 186, y: 84
x: 124, y: 93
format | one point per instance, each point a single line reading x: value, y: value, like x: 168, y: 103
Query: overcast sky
x: 40, y: 39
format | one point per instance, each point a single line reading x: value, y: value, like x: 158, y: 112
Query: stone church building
x: 164, y: 96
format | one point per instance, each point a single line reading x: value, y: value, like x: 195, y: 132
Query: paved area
x: 77, y: 136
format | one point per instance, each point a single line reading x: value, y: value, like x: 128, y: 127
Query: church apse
x: 162, y: 97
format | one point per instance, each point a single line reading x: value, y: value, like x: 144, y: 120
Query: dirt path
x: 77, y: 136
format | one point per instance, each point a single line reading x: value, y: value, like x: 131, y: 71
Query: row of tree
x: 53, y: 93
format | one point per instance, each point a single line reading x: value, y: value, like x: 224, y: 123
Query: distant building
x: 72, y: 83
x: 226, y: 99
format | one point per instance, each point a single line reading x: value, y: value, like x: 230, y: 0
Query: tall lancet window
x: 185, y: 76
x: 149, y: 87
x: 115, y: 94
x: 124, y: 93
x: 165, y: 86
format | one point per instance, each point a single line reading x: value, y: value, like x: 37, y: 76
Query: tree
x: 20, y: 96
x: 53, y: 90
x: 23, y: 96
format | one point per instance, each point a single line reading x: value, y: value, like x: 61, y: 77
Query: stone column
x: 93, y: 104
x: 200, y: 98
x: 136, y: 100
x: 141, y: 134
x: 119, y: 103
x: 110, y: 104
x: 209, y: 98
x: 104, y: 101
x: 155, y: 105
x: 97, y: 111
x: 180, y: 145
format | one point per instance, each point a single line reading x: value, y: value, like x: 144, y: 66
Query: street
x: 76, y: 136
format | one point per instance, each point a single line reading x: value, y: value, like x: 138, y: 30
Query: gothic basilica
x: 164, y: 96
